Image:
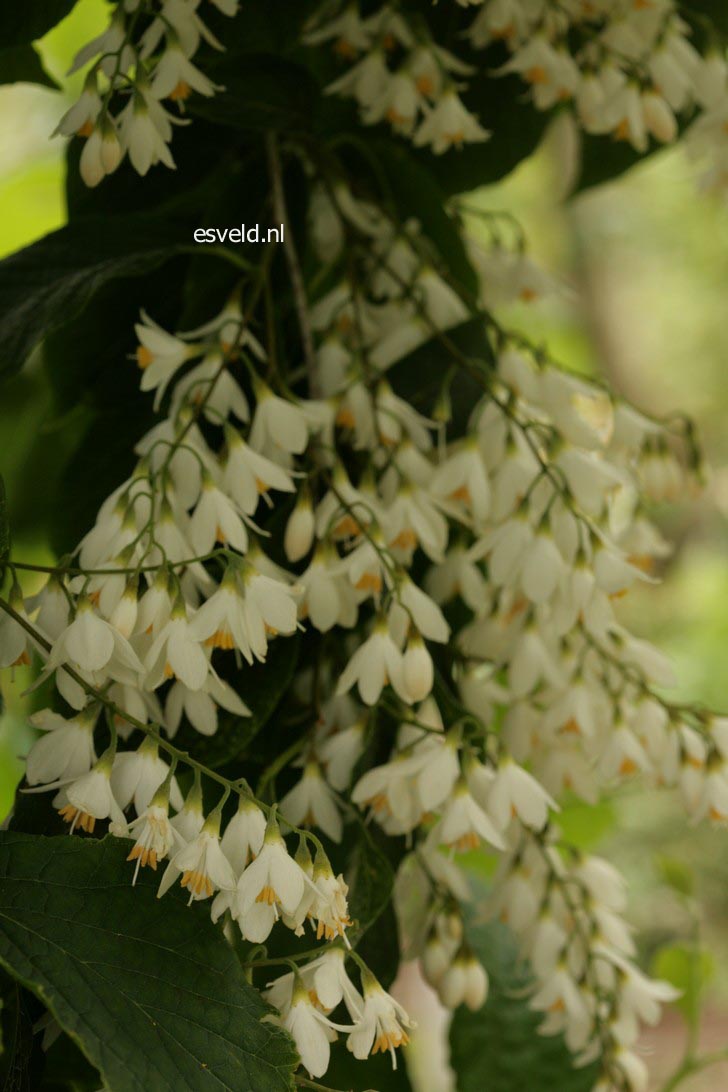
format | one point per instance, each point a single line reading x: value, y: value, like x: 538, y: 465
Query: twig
x: 280, y: 212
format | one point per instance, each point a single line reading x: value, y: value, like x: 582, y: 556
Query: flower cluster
x: 566, y: 913
x: 142, y: 59
x: 398, y: 74
x: 465, y: 547
x: 636, y: 72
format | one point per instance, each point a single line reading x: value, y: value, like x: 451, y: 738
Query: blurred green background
x: 646, y: 259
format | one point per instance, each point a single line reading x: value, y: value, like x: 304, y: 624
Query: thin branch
x: 280, y: 212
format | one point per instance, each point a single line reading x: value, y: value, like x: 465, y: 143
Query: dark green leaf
x: 370, y: 875
x: 48, y: 283
x: 149, y: 989
x: 499, y: 1046
x: 261, y: 687
x: 714, y: 11
x: 419, y: 376
x: 20, y: 1061
x: 261, y: 92
x: 21, y: 64
x: 28, y: 21
x: 370, y: 878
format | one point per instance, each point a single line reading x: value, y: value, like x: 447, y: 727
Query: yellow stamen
x: 347, y: 527
x: 80, y: 819
x: 181, y: 92
x: 405, y: 540
x: 147, y: 856
x: 221, y: 638
x: 369, y: 582
x: 197, y: 882
x: 468, y: 841
x: 267, y: 895
x: 144, y: 356
x: 537, y: 74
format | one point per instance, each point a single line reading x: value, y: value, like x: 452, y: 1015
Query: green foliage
x: 262, y: 92
x: 49, y: 282
x: 499, y: 1047
x: 677, y: 874
x: 586, y: 825
x: 708, y: 16
x: 149, y: 989
x: 261, y: 686
x: 370, y: 877
x: 690, y: 968
x: 21, y: 64
x: 26, y: 22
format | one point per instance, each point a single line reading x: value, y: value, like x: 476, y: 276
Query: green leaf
x: 419, y: 376
x: 261, y: 686
x: 48, y: 283
x: 688, y: 967
x: 148, y: 988
x: 714, y: 11
x: 499, y: 1046
x: 369, y: 872
x: 370, y: 877
x: 262, y: 92
x: 28, y: 21
x: 676, y: 874
x: 21, y: 64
